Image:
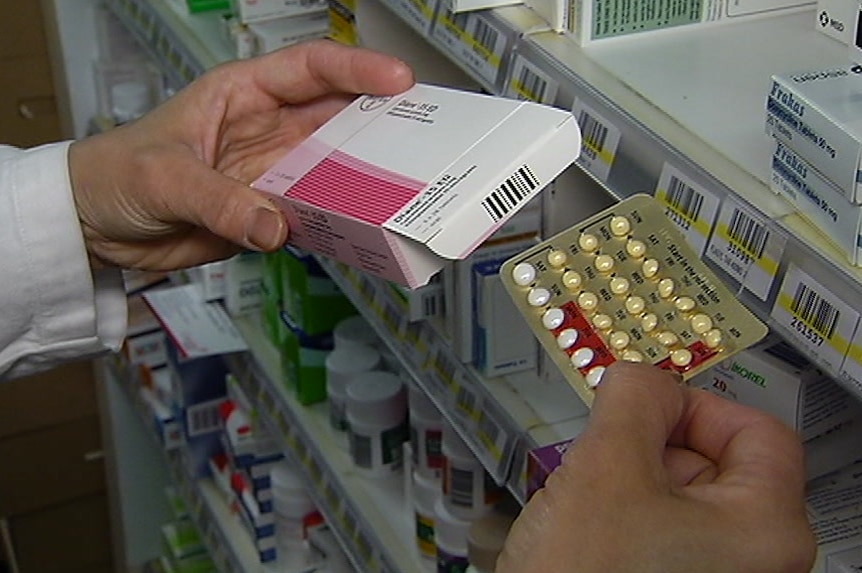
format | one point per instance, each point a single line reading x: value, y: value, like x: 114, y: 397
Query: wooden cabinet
x: 53, y: 495
x: 28, y: 101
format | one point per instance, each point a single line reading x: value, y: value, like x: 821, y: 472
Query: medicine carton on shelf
x: 775, y: 378
x: 398, y: 185
x: 818, y: 200
x: 818, y: 114
x: 588, y: 21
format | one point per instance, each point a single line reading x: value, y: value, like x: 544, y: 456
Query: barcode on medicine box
x: 747, y: 233
x: 203, y: 418
x: 684, y: 199
x: 814, y: 310
x: 594, y: 133
x: 360, y: 450
x: 511, y: 193
x: 461, y: 487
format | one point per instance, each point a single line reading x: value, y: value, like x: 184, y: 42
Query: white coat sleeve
x: 53, y: 308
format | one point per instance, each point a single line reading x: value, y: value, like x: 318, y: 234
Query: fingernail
x: 264, y: 228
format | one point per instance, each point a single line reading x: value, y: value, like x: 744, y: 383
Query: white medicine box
x: 397, y: 186
x: 773, y: 377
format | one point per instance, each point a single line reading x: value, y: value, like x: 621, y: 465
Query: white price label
x: 416, y: 339
x: 418, y: 12
x: 529, y: 82
x: 198, y: 328
x: 816, y: 318
x: 599, y: 141
x: 466, y: 402
x: 746, y: 248
x: 474, y: 41
x: 691, y: 207
x: 852, y: 368
x: 492, y: 435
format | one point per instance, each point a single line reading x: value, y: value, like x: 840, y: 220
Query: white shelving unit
x: 658, y: 117
x: 369, y: 517
x: 498, y: 418
x: 229, y: 545
x: 679, y: 114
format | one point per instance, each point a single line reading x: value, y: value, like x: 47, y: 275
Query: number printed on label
x: 746, y: 248
x: 599, y: 140
x: 690, y: 206
x: 816, y: 318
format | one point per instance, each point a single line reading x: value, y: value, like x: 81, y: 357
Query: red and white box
x: 398, y: 185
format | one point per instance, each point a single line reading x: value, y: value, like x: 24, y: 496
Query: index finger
x: 313, y: 69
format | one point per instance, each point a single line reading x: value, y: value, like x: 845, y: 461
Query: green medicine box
x: 312, y: 300
x: 303, y: 363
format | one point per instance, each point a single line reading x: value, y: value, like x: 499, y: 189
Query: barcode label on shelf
x: 465, y: 402
x: 852, y: 367
x: 473, y: 41
x: 599, y: 141
x: 691, y: 207
x: 511, y: 193
x: 529, y: 82
x: 817, y: 319
x: 746, y: 248
x: 492, y: 437
x: 391, y: 317
x: 415, y: 340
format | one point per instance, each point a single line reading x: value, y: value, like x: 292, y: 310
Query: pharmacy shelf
x: 369, y: 516
x: 499, y: 419
x: 183, y: 45
x: 228, y: 544
x: 658, y: 117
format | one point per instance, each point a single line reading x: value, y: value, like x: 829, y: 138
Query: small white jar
x: 450, y: 535
x: 425, y: 493
x: 342, y: 364
x: 426, y: 434
x: 468, y: 491
x: 377, y: 422
x: 354, y: 330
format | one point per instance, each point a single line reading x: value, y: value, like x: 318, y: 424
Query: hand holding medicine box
x: 396, y: 186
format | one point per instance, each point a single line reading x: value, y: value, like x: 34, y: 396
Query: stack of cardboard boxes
x: 257, y: 27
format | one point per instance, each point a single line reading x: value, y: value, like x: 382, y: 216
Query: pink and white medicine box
x: 398, y: 185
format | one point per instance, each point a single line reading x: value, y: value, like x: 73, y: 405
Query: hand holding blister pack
x: 624, y: 285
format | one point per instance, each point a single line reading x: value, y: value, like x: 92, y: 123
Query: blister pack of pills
x: 624, y: 285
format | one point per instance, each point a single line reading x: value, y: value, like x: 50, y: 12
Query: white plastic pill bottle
x: 294, y: 512
x: 468, y: 491
x: 377, y: 422
x: 450, y: 535
x: 354, y: 330
x: 426, y: 434
x: 425, y: 493
x: 341, y: 365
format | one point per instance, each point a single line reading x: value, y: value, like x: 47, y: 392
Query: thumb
x: 636, y: 408
x: 229, y: 209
